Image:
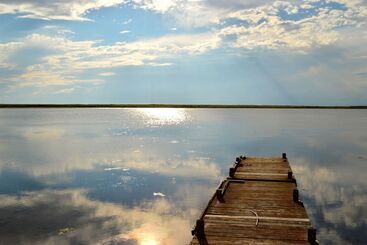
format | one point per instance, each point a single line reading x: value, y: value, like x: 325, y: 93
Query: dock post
x: 231, y: 172
x: 236, y: 165
x: 312, y: 236
x: 290, y: 175
x: 219, y: 195
x: 295, y: 195
x: 199, y: 232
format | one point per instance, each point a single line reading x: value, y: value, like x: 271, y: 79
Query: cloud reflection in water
x: 339, y: 209
x: 64, y: 216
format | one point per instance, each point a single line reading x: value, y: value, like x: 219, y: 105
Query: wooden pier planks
x: 257, y: 204
x: 262, y: 168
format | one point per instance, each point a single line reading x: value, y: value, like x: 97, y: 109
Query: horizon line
x: 152, y: 105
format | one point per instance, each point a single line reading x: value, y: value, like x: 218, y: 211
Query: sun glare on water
x: 148, y: 241
x: 163, y: 116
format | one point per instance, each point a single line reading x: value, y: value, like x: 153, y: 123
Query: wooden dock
x: 257, y: 204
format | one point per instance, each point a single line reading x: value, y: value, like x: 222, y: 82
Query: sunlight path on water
x: 163, y: 116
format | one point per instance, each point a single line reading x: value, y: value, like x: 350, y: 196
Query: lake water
x: 142, y: 176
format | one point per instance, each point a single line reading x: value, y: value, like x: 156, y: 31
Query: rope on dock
x: 257, y: 216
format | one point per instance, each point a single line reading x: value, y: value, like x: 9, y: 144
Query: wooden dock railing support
x: 312, y: 236
x: 231, y: 172
x: 219, y: 195
x: 236, y: 164
x: 295, y: 195
x: 199, y: 232
x: 290, y: 175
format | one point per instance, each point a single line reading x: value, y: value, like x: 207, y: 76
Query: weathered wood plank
x: 214, y: 240
x: 289, y: 212
x: 263, y: 169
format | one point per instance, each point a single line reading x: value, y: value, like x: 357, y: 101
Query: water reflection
x: 339, y: 209
x: 142, y: 176
x: 64, y: 216
x: 163, y: 116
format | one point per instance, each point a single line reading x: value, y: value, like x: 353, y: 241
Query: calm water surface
x: 142, y: 176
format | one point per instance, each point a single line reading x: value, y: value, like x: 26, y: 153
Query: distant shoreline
x: 208, y: 106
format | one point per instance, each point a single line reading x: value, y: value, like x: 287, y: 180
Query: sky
x: 310, y: 52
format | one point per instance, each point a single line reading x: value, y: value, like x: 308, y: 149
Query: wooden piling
x: 258, y: 203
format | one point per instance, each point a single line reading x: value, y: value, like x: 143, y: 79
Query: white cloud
x: 128, y: 21
x: 65, y: 91
x: 267, y: 29
x: 157, y: 5
x: 5, y: 50
x: 77, y: 9
x: 106, y: 74
x: 66, y: 59
x: 54, y: 10
x: 160, y: 64
x: 198, y: 12
x: 39, y: 76
x: 125, y: 31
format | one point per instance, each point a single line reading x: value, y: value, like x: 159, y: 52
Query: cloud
x: 183, y: 10
x: 261, y: 24
x: 128, y: 21
x: 5, y: 50
x: 78, y: 9
x: 160, y: 64
x: 157, y: 5
x: 198, y: 13
x: 265, y: 27
x: 125, y: 31
x: 65, y: 91
x: 39, y: 76
x: 63, y: 61
x: 106, y: 74
x: 54, y: 10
